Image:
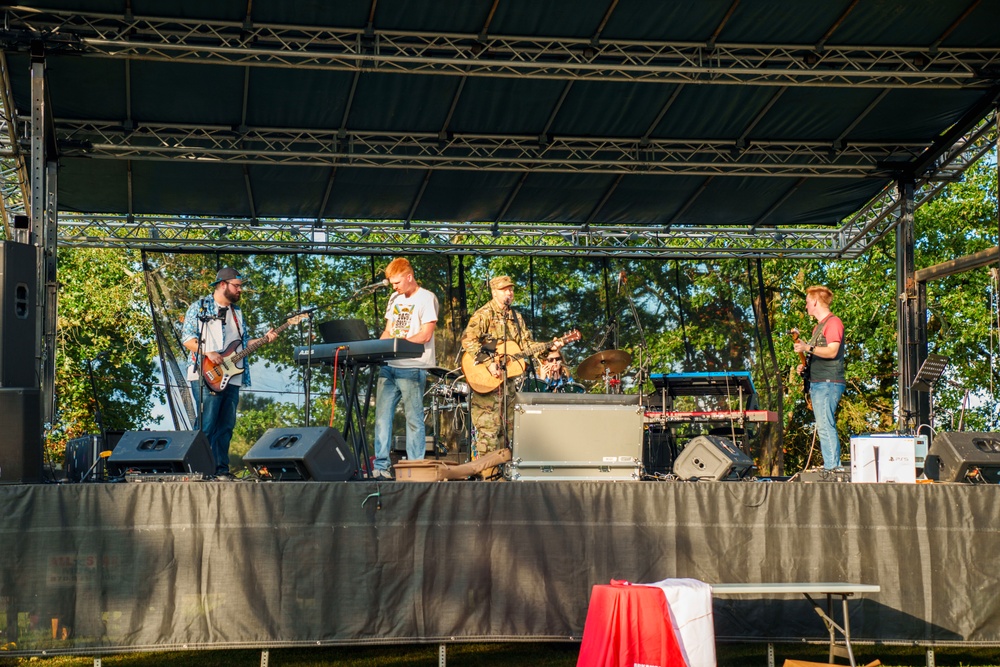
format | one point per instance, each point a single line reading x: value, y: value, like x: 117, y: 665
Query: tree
x: 101, y: 311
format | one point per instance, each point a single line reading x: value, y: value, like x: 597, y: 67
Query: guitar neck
x: 259, y: 343
x: 531, y: 350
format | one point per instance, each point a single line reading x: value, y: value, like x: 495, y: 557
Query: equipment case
x: 577, y: 441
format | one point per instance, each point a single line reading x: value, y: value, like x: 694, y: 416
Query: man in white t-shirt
x: 411, y: 313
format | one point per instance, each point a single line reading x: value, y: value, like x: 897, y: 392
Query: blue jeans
x: 395, y: 385
x: 218, y: 418
x: 825, y: 397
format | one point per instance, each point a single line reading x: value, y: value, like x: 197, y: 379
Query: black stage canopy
x: 631, y: 127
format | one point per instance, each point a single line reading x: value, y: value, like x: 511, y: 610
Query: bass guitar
x: 506, y: 354
x: 805, y: 369
x: 217, y: 376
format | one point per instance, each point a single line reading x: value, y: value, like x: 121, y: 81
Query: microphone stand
x: 307, y: 373
x: 204, y: 318
x: 98, y: 420
x: 643, y: 356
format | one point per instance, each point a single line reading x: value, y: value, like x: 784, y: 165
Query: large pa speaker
x: 162, y: 452
x: 307, y: 453
x: 710, y: 457
x: 20, y: 436
x: 953, y: 456
x: 18, y: 325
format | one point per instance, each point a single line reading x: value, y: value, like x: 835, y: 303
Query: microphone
x: 374, y: 286
x: 223, y: 311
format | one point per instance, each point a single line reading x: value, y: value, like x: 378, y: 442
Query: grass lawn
x: 504, y: 655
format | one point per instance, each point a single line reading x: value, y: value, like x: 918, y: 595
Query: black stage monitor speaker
x: 710, y: 457
x: 954, y: 457
x: 20, y: 436
x: 17, y: 315
x: 163, y: 452
x: 307, y: 453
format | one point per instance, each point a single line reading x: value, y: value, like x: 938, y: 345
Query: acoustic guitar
x: 505, y: 353
x: 805, y: 370
x: 217, y: 376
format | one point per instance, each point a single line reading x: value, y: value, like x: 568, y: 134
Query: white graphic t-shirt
x: 404, y: 316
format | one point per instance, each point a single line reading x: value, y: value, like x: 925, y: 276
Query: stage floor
x: 209, y: 564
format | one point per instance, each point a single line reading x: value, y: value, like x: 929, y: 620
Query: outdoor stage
x: 212, y: 564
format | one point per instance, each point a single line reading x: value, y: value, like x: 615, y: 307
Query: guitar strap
x: 818, y: 329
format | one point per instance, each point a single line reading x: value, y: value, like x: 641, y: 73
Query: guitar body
x: 509, y: 353
x: 217, y: 377
x: 478, y: 374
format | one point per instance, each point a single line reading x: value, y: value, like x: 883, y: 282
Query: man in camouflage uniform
x: 496, y: 321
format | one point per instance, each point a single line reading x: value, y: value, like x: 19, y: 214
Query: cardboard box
x: 883, y: 458
x: 422, y: 471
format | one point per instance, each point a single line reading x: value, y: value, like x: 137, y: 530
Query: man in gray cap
x: 217, y: 322
x: 492, y: 411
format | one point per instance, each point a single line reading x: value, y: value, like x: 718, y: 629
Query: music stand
x: 930, y: 372
x: 343, y: 331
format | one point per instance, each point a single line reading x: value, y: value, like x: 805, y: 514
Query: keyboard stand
x: 357, y: 399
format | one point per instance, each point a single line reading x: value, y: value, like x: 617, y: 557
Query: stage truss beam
x: 541, y: 57
x: 107, y: 139
x: 193, y: 234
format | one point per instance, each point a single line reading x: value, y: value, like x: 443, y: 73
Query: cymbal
x: 438, y: 372
x: 592, y: 368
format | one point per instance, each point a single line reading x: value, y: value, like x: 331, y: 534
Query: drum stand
x: 435, y: 424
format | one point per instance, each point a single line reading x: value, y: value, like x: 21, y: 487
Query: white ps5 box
x: 883, y: 458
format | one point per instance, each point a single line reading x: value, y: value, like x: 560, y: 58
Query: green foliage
x: 101, y: 308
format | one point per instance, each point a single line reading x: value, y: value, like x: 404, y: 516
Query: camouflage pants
x: 488, y: 422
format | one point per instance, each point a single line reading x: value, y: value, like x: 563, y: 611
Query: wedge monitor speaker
x: 162, y: 452
x: 710, y: 457
x: 300, y: 454
x: 964, y: 457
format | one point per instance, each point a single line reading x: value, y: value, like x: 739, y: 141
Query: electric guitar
x: 506, y: 354
x: 805, y: 368
x: 217, y: 376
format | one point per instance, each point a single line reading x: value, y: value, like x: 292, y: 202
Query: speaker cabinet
x: 163, y: 452
x: 308, y: 453
x: 953, y: 456
x: 17, y: 315
x: 20, y: 436
x: 710, y: 457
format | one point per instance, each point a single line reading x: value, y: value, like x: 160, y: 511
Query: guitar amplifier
x: 577, y: 441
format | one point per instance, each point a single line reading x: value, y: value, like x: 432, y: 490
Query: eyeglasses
x: 232, y: 284
x: 554, y: 359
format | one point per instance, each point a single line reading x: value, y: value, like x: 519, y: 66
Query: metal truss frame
x: 13, y: 169
x: 541, y: 57
x: 481, y: 152
x: 192, y: 234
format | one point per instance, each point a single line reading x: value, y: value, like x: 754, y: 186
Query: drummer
x: 554, y: 372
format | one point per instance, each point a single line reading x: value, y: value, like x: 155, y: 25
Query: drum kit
x: 605, y: 367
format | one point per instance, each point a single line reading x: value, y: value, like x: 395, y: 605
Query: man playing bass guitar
x: 217, y: 321
x: 492, y: 411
